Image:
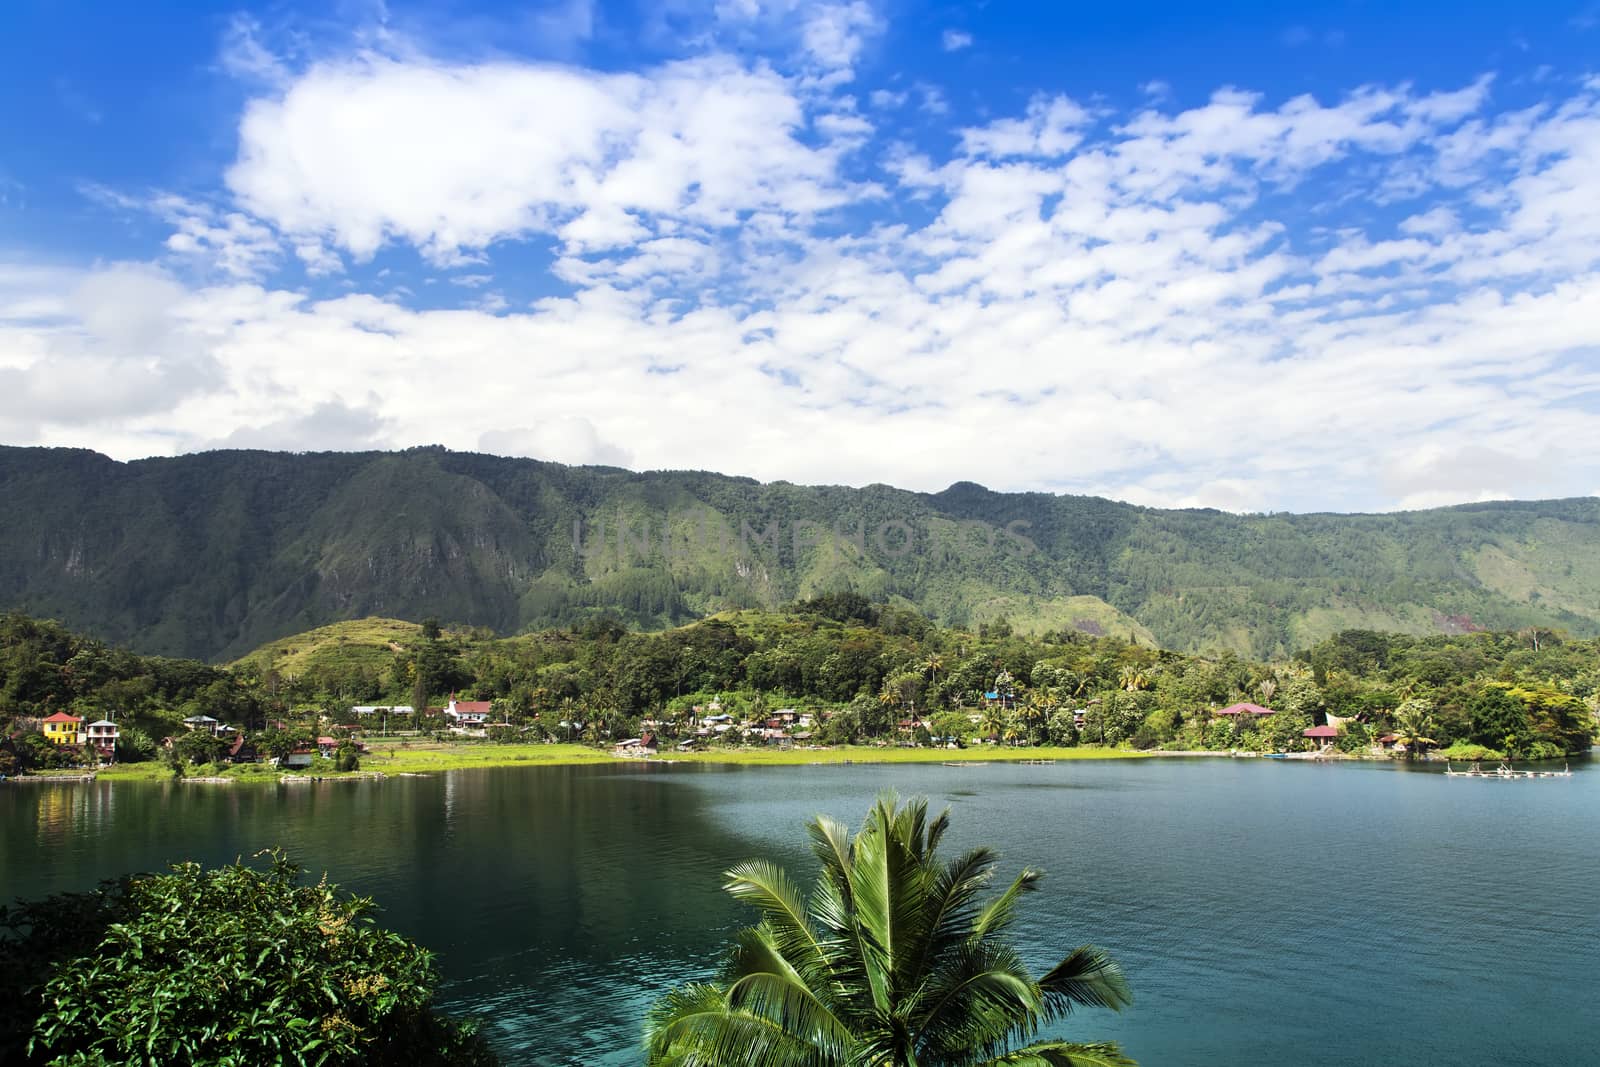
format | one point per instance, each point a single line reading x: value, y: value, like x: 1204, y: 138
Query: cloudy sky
x: 1341, y: 258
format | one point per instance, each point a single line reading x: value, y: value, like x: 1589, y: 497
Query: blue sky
x: 1255, y: 256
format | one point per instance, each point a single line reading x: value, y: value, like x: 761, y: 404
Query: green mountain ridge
x: 213, y: 554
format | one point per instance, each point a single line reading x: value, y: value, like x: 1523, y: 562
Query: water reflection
x: 562, y: 901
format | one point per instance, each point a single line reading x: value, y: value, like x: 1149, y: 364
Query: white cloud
x: 1176, y: 305
x: 451, y: 159
x: 834, y: 34
x: 1052, y: 127
x: 565, y: 439
x: 955, y: 40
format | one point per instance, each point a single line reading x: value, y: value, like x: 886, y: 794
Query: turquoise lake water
x: 1265, y: 912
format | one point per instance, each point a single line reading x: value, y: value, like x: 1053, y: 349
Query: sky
x: 1329, y: 256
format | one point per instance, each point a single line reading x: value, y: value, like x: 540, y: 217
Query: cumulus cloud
x: 1175, y: 305
x: 327, y: 426
x: 565, y: 439
x: 451, y: 159
x: 955, y: 40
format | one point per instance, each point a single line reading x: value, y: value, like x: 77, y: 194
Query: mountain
x: 211, y: 555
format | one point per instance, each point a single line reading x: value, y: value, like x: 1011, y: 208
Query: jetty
x: 1505, y: 773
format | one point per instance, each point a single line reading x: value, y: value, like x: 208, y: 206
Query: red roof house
x: 62, y: 729
x: 1321, y: 733
x: 1246, y: 708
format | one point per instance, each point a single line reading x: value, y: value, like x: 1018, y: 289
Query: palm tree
x: 1413, y: 720
x: 895, y: 961
x: 1132, y: 679
x: 993, y: 721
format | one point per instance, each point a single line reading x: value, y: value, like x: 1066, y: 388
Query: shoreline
x: 389, y: 761
x: 428, y: 760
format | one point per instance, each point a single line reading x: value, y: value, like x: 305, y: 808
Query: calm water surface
x: 1266, y: 912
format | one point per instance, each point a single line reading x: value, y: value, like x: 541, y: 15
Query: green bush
x: 134, y: 745
x: 236, y: 965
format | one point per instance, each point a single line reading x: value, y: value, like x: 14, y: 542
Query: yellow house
x: 63, y: 729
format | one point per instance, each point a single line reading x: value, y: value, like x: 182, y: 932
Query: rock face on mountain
x: 209, y: 555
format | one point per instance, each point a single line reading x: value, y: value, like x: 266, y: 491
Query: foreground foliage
x: 895, y: 960
x: 237, y: 965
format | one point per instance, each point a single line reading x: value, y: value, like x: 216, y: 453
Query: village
x: 336, y: 741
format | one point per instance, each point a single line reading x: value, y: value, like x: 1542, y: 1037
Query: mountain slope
x: 210, y: 555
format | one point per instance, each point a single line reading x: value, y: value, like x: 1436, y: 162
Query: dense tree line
x: 866, y: 669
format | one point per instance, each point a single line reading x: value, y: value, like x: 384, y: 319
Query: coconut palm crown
x: 896, y: 960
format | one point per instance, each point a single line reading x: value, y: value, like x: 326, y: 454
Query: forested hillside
x: 211, y: 555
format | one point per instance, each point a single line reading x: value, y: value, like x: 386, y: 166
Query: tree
x: 199, y: 747
x: 236, y: 965
x: 895, y: 960
x: 1413, y: 722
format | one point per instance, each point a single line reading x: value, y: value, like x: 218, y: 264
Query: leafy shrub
x: 230, y: 966
x: 134, y: 745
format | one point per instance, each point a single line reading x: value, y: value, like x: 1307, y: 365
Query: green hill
x: 215, y: 554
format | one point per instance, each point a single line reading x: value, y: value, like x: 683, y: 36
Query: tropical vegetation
x: 897, y: 958
x: 864, y: 673
x: 237, y: 965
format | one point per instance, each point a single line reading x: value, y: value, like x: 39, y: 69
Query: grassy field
x: 873, y: 754
x: 387, y: 756
x: 423, y: 757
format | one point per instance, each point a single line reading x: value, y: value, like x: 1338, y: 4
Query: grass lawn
x: 149, y: 771
x: 420, y: 757
x: 873, y: 754
x: 390, y: 756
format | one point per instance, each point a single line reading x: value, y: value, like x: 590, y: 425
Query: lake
x: 1265, y: 912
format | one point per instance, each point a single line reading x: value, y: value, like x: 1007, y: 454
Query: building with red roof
x: 1320, y: 733
x: 1246, y: 708
x: 469, y: 712
x: 63, y: 729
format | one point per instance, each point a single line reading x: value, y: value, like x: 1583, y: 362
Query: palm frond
x: 1063, y: 1054
x: 830, y: 843
x: 790, y: 1006
x: 982, y: 998
x: 694, y: 1026
x: 951, y: 910
x: 1089, y: 978
x: 769, y: 888
x: 997, y: 915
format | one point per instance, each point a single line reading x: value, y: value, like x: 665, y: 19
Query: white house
x: 203, y: 722
x: 468, y: 714
x: 103, y: 736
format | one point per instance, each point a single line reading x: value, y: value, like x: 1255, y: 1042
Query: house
x: 102, y: 736
x: 1246, y: 708
x: 364, y: 710
x: 242, y: 751
x: 1321, y: 734
x: 644, y: 747
x: 63, y: 729
x: 468, y: 713
x: 300, y: 757
x: 202, y: 722
x: 327, y: 747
